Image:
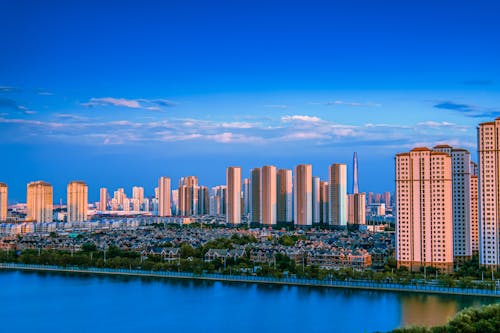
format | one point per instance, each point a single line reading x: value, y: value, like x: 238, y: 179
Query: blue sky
x: 118, y: 93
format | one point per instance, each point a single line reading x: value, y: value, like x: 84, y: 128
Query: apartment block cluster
x: 447, y: 206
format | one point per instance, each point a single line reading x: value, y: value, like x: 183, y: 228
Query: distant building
x: 488, y: 138
x: 268, y: 196
x: 164, y: 200
x: 323, y: 202
x: 285, y: 196
x: 424, y: 212
x: 255, y: 195
x: 39, y: 202
x: 77, y: 200
x: 356, y: 204
x: 316, y: 200
x: 203, y: 200
x: 338, y: 195
x: 233, y: 199
x: 3, y: 201
x: 247, y: 191
x: 303, y: 195
x: 188, y: 196
x: 138, y: 197
x: 103, y: 199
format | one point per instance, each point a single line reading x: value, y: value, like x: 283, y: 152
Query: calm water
x: 52, y: 302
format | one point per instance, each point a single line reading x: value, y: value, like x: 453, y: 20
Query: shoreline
x: 359, y: 285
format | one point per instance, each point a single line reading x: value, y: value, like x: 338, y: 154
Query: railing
x: 262, y: 279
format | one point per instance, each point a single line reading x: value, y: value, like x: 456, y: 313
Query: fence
x: 353, y: 284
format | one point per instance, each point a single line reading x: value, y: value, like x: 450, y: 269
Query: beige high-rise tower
x: 188, y: 196
x: 3, y: 201
x: 424, y: 209
x: 233, y: 198
x: 488, y: 137
x: 39, y: 202
x: 77, y: 201
x: 285, y: 196
x: 269, y: 196
x: 164, y: 208
x: 303, y: 195
x: 338, y: 194
x: 103, y: 199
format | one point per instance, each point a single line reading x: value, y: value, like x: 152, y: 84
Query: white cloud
x: 311, y: 119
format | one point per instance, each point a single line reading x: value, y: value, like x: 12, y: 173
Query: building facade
x: 285, y: 196
x: 233, y: 202
x: 268, y: 198
x: 39, y: 202
x: 424, y: 209
x: 3, y: 201
x: 489, y: 193
x: 77, y: 197
x: 164, y: 200
x: 303, y: 195
x: 337, y: 194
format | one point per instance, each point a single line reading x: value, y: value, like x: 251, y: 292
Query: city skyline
x: 285, y: 85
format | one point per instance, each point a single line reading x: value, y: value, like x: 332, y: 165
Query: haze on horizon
x: 119, y: 94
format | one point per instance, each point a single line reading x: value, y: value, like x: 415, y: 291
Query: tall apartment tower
x: 303, y: 195
x: 355, y: 188
x: 474, y: 208
x: 488, y: 137
x: 323, y: 201
x: 255, y: 195
x: 188, y: 196
x: 337, y: 194
x: 246, y: 197
x: 316, y: 200
x: 3, y: 201
x: 218, y: 200
x: 103, y: 199
x: 424, y: 209
x: 233, y: 201
x: 164, y: 200
x: 39, y: 201
x: 387, y: 199
x: 356, y: 206
x: 138, y: 197
x: 203, y: 200
x: 461, y: 178
x: 268, y: 198
x: 77, y: 197
x: 285, y: 196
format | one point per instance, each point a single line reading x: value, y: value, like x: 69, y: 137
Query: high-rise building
x: 3, y: 201
x: 387, y: 199
x: 461, y: 178
x: 316, y: 203
x: 39, y: 201
x: 356, y: 207
x: 246, y: 197
x: 424, y: 210
x: 285, y: 196
x: 77, y: 198
x: 303, y: 195
x: 138, y: 196
x: 218, y: 200
x: 188, y: 196
x: 370, y: 198
x: 174, y: 200
x: 103, y: 199
x: 164, y: 193
x: 268, y: 195
x: 255, y: 195
x: 233, y: 202
x: 474, y: 214
x: 355, y: 188
x: 489, y: 193
x: 337, y: 194
x: 203, y: 200
x: 323, y: 199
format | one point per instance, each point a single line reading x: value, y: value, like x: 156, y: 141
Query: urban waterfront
x: 62, y: 302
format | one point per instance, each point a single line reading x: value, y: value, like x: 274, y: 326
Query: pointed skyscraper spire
x: 355, y: 174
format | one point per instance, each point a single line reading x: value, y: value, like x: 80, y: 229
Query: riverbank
x: 425, y: 289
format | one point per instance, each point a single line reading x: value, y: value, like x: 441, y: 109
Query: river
x: 59, y: 302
